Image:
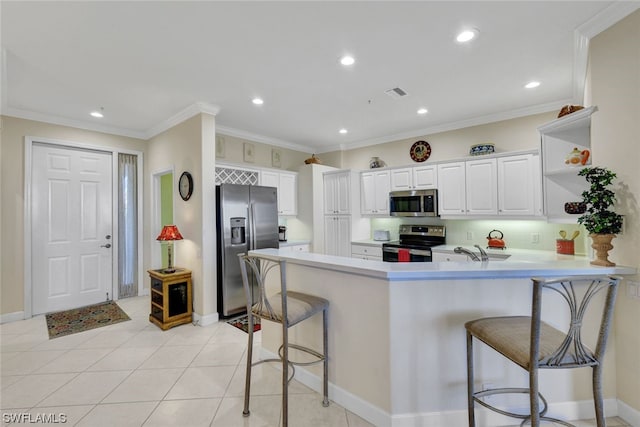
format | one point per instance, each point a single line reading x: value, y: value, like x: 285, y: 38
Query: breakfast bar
x: 396, y: 333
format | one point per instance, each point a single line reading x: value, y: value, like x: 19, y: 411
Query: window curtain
x: 128, y: 225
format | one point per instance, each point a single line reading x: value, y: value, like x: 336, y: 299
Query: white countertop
x: 369, y: 242
x: 525, y: 264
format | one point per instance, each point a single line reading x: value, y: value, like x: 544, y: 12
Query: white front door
x: 71, y: 223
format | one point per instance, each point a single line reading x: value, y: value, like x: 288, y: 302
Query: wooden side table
x: 171, y: 298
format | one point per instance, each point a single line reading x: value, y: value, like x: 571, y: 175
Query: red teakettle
x: 496, y: 242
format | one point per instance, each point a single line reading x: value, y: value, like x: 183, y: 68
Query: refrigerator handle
x: 252, y: 225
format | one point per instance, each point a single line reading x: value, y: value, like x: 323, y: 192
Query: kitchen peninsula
x: 396, y: 333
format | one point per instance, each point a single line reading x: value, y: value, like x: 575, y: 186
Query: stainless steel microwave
x: 413, y: 203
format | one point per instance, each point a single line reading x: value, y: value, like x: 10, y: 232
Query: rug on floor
x: 82, y: 319
x: 242, y: 322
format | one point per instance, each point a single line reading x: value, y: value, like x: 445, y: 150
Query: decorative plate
x: 420, y: 151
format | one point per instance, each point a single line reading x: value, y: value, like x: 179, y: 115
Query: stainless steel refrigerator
x: 247, y: 218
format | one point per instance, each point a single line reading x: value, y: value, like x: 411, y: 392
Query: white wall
x: 614, y: 86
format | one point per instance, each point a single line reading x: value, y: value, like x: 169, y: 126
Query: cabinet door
x: 517, y: 189
x: 401, y: 179
x: 367, y: 193
x: 288, y: 194
x: 330, y: 193
x: 343, y: 193
x: 382, y: 188
x: 425, y: 177
x: 451, y: 188
x: 343, y: 237
x: 481, y: 186
x: 269, y: 178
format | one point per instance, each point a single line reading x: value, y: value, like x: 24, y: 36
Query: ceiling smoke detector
x: 396, y: 93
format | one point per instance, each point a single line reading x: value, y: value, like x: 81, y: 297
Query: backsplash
x: 517, y: 234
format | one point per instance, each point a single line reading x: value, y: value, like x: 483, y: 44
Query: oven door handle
x: 411, y: 251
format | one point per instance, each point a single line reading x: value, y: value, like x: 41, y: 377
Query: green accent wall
x: 166, y: 209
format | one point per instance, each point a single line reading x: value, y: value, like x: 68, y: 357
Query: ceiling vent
x: 396, y: 93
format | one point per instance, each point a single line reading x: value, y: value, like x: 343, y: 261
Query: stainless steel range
x: 415, y: 243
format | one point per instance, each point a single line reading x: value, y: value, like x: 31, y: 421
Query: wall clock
x: 185, y: 186
x: 420, y: 151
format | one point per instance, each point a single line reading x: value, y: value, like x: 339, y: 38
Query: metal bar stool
x: 533, y: 344
x: 287, y: 308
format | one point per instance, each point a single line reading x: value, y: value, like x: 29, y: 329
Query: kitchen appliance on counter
x: 415, y: 243
x: 495, y: 242
x: 381, y: 235
x: 282, y: 233
x: 413, y: 203
x: 246, y: 219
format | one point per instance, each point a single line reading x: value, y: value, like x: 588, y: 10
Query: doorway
x: 72, y: 227
x: 162, y: 215
x: 72, y: 201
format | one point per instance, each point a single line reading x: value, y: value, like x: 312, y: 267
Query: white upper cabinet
x: 337, y: 192
x: 451, y: 188
x: 560, y: 180
x: 374, y: 192
x: 503, y: 186
x: 519, y: 185
x: 481, y: 187
x: 287, y: 185
x: 425, y: 177
x: 415, y: 178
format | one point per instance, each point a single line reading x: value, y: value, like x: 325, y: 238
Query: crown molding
x: 585, y: 32
x: 238, y: 133
x: 475, y: 121
x: 79, y: 124
x: 607, y: 18
x: 181, y: 116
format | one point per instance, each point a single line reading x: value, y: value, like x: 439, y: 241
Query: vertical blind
x: 128, y: 225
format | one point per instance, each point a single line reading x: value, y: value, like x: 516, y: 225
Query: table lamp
x: 169, y: 233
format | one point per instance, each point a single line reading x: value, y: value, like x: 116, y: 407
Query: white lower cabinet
x: 447, y: 256
x: 337, y: 235
x: 366, y: 252
x: 295, y: 248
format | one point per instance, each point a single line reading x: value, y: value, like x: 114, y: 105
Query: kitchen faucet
x: 483, y: 253
x: 472, y: 255
x: 461, y: 250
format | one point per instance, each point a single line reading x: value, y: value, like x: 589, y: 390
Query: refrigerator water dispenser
x: 238, y: 227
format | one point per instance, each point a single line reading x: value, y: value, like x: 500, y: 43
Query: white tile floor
x: 134, y: 374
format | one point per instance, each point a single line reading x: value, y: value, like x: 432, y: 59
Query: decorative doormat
x: 242, y: 322
x: 84, y: 318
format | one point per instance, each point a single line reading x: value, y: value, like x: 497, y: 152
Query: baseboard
x: 578, y: 410
x: 347, y: 400
x: 11, y: 317
x: 206, y: 320
x: 629, y: 414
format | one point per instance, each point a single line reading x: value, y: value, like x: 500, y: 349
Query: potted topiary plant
x: 600, y: 221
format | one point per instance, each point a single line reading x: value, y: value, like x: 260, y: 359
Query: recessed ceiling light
x: 97, y: 114
x: 257, y: 101
x: 343, y: 131
x: 467, y: 35
x: 531, y: 85
x: 347, y: 60
x: 423, y: 111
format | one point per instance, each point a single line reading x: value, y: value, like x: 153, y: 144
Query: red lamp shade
x: 169, y: 232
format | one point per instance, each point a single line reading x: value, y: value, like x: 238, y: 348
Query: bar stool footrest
x: 511, y: 390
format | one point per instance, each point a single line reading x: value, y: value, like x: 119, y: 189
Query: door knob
x: 108, y: 245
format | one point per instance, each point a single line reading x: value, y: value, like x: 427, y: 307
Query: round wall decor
x: 420, y: 151
x: 185, y: 185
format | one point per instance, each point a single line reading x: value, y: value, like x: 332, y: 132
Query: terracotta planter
x: 602, y: 245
